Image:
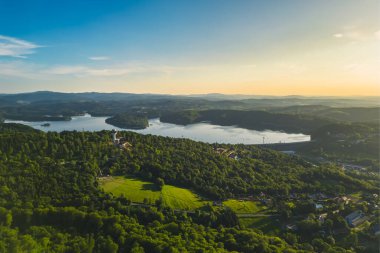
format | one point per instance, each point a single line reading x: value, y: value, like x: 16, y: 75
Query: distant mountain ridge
x: 254, y: 100
x: 60, y: 96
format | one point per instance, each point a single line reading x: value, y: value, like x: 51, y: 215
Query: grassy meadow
x: 137, y: 190
x: 268, y: 225
x: 244, y: 206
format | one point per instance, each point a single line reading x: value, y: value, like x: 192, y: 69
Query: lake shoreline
x: 204, y: 132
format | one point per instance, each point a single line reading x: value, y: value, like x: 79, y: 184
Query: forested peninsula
x: 128, y: 121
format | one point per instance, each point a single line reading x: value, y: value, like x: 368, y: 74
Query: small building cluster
x: 227, y: 152
x: 352, y: 167
x: 120, y: 142
x: 342, y: 200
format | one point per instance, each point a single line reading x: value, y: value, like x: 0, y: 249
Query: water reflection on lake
x: 204, y: 132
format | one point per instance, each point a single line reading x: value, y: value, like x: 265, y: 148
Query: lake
x: 204, y: 132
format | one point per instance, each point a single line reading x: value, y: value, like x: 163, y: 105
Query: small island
x: 45, y: 124
x: 126, y: 120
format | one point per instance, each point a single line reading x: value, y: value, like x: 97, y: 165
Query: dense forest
x: 336, y: 114
x: 257, y: 120
x: 342, y: 138
x: 51, y: 200
x: 129, y: 121
x: 349, y: 140
x: 355, y: 143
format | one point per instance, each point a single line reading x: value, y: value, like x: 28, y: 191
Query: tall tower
x: 114, y: 136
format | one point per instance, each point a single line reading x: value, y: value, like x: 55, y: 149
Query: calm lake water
x: 204, y: 132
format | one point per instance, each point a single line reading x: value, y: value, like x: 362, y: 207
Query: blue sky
x: 278, y: 47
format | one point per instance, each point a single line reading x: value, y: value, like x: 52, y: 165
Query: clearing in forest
x: 137, y: 190
x: 244, y: 206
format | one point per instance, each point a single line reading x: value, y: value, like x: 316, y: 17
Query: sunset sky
x: 272, y: 47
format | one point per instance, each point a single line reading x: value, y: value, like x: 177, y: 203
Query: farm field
x: 137, y: 190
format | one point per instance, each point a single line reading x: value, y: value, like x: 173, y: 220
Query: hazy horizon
x: 198, y: 94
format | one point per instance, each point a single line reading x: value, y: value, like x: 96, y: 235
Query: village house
x: 355, y: 218
x: 120, y: 142
x: 233, y: 156
x: 220, y: 150
x: 322, y: 218
x: 227, y: 152
x: 345, y: 200
x: 318, y: 207
x: 291, y: 227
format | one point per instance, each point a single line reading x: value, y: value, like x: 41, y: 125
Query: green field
x: 137, y: 190
x: 268, y: 225
x: 244, y: 206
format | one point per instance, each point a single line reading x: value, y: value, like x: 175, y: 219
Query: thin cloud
x: 13, y: 47
x: 117, y: 70
x: 20, y: 69
x: 32, y: 71
x: 29, y: 70
x: 87, y: 71
x: 354, y: 33
x: 99, y: 58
